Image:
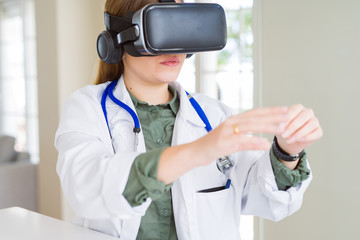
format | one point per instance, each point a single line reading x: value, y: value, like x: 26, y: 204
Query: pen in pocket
x: 228, y: 182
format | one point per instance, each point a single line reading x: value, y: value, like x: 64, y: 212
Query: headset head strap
x: 115, y: 23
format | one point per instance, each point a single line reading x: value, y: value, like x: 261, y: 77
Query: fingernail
x: 286, y: 134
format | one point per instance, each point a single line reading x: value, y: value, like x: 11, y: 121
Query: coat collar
x: 121, y: 93
x: 186, y: 110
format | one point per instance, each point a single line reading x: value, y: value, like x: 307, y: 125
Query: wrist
x: 175, y: 161
x: 202, y: 152
x: 282, y: 154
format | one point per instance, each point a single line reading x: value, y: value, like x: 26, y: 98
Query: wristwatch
x: 281, y: 154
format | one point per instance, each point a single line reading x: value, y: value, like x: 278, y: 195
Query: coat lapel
x: 188, y: 127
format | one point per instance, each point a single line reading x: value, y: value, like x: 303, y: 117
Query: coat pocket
x: 215, y: 214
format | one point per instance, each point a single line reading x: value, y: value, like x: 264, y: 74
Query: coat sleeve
x: 92, y: 176
x: 260, y: 194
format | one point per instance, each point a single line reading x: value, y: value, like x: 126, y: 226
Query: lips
x: 171, y: 62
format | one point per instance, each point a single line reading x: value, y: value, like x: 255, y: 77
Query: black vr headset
x: 164, y: 28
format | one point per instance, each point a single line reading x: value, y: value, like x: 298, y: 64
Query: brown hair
x: 109, y: 72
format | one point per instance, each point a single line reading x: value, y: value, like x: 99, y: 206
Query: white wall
x: 310, y: 54
x: 47, y: 61
x: 67, y: 60
x: 79, y: 23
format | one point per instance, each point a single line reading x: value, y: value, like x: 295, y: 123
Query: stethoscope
x: 223, y: 163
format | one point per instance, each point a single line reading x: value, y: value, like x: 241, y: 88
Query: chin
x: 168, y: 77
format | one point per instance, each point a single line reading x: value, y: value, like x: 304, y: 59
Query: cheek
x: 140, y: 64
x: 182, y: 57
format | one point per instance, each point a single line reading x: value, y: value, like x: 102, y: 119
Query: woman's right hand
x: 234, y: 134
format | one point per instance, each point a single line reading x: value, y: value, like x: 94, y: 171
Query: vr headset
x: 163, y: 28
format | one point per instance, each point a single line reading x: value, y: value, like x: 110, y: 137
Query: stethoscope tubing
x: 200, y: 112
x: 109, y: 91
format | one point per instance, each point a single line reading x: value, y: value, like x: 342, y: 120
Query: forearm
x: 153, y: 172
x: 221, y: 141
x: 278, y: 146
x: 285, y: 177
x: 290, y: 165
x: 177, y: 160
x: 143, y: 182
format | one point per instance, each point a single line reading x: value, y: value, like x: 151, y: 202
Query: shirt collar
x: 174, y: 103
x: 185, y: 110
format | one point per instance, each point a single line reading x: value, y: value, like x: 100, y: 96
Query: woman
x: 170, y: 186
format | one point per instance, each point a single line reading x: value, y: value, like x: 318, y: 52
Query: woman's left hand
x: 301, y: 130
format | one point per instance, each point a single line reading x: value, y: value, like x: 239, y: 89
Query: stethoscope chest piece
x: 224, y: 163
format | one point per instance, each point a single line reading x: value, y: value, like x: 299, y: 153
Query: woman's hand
x: 295, y: 127
x: 301, y: 130
x: 234, y: 134
x: 229, y: 137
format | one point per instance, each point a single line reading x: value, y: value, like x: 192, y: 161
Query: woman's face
x: 153, y: 70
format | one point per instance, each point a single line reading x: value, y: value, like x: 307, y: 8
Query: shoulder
x: 82, y: 111
x: 89, y: 93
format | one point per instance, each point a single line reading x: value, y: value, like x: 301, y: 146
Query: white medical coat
x: 93, y: 177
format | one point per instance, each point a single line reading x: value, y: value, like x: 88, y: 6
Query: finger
x: 307, y: 129
x: 293, y: 112
x: 299, y: 121
x: 313, y: 136
x: 266, y: 124
x: 259, y: 127
x: 245, y: 142
x: 267, y: 111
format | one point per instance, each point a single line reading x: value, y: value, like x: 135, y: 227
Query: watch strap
x: 283, y: 155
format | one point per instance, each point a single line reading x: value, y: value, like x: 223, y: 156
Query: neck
x: 153, y: 94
